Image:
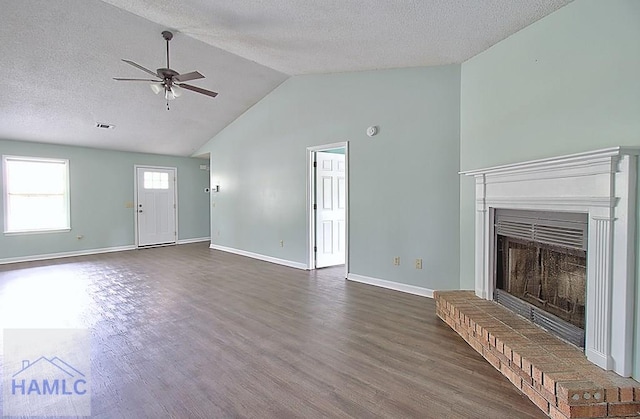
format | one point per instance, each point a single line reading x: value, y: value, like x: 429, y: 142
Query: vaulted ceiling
x: 58, y: 58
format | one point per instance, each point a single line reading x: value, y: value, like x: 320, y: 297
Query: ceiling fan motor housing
x: 167, y: 73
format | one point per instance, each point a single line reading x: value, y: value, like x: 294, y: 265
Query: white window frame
x: 5, y: 159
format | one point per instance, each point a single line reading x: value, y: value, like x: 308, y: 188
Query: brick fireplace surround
x: 554, y: 375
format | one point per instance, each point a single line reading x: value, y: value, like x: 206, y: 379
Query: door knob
x: 139, y: 210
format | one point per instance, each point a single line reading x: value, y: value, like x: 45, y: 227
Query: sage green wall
x: 101, y: 182
x: 568, y: 83
x: 404, y: 195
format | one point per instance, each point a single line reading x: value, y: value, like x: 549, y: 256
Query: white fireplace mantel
x: 601, y: 183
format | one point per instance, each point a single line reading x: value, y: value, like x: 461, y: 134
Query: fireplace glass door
x: 550, y: 278
x: 541, y: 269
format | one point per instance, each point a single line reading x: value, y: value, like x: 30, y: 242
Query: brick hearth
x: 555, y: 375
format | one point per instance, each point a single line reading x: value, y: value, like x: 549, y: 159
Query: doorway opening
x: 156, y: 210
x: 327, y: 205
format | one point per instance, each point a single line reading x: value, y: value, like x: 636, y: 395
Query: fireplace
x: 541, y: 269
x: 599, y: 186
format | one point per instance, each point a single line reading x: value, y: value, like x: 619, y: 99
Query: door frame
x: 135, y: 199
x: 311, y: 219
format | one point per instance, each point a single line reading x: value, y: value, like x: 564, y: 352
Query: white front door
x: 330, y: 208
x: 156, y: 205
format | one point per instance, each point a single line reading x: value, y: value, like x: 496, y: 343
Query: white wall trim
x: 33, y: 258
x: 194, y: 240
x: 397, y: 286
x: 258, y: 256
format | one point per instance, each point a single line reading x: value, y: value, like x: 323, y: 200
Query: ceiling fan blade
x: 121, y: 79
x: 140, y: 67
x: 189, y: 76
x: 197, y: 89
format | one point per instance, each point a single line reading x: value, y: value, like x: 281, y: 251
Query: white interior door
x: 330, y: 208
x: 156, y: 205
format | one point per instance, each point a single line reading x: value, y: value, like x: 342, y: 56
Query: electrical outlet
x: 418, y: 263
x: 281, y: 243
x: 396, y: 261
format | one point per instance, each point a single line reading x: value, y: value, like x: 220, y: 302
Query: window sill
x: 29, y: 232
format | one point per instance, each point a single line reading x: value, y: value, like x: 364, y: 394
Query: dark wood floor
x: 190, y: 332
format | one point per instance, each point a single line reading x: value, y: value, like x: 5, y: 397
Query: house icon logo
x: 48, y: 377
x: 45, y: 372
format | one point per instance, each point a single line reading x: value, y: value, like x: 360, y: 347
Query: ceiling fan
x: 167, y: 80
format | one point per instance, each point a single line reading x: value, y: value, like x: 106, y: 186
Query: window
x: 156, y: 180
x: 36, y: 194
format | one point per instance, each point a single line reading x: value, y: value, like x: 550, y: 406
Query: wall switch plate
x: 396, y: 261
x: 418, y: 263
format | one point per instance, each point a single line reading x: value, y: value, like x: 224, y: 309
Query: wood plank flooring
x: 189, y: 332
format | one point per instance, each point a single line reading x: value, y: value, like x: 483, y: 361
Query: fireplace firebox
x: 541, y: 269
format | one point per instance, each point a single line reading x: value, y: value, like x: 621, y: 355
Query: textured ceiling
x: 328, y: 36
x: 58, y: 61
x: 59, y: 57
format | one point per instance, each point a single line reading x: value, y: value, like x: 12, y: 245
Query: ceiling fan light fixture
x: 172, y: 92
x: 156, y: 87
x: 177, y: 91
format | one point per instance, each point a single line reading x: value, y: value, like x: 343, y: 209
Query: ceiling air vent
x: 104, y: 126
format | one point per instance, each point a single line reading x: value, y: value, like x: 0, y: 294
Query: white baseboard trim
x: 196, y: 240
x: 47, y: 256
x: 410, y: 289
x: 258, y: 256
